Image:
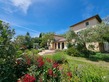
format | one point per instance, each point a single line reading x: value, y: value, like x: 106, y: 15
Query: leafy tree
x: 7, y: 53
x: 99, y: 33
x: 28, y: 42
x: 70, y: 35
x: 44, y: 39
x: 19, y: 41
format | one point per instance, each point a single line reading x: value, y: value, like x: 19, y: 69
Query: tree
x: 19, y: 41
x: 28, y: 42
x: 44, y: 39
x: 7, y: 53
x: 70, y: 35
x: 99, y: 33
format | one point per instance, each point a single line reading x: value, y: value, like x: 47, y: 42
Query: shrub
x: 72, y: 52
x: 20, y: 67
x: 69, y: 45
x: 59, y: 57
x: 34, y: 51
x: 27, y: 51
x: 19, y: 53
x: 45, y: 70
x: 100, y: 56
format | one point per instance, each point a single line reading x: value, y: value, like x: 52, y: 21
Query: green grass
x: 88, y: 71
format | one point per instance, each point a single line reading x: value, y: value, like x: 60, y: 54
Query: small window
x: 78, y: 33
x: 87, y: 23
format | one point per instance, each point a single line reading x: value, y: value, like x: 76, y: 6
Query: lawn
x: 83, y: 69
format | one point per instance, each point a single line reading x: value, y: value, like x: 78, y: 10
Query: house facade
x: 91, y: 22
x: 58, y: 42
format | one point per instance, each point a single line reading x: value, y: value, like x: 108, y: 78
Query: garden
x: 21, y: 63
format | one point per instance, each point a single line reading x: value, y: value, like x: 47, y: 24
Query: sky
x: 36, y: 16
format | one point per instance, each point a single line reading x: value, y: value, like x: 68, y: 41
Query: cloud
x: 22, y: 4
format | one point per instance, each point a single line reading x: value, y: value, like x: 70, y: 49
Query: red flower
x: 50, y: 72
x: 28, y: 78
x: 40, y: 59
x: 69, y: 74
x: 40, y: 62
x: 55, y: 65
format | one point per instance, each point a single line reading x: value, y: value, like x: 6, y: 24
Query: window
x: 78, y: 33
x: 87, y: 23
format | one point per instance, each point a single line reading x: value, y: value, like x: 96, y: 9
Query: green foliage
x: 20, y: 67
x: 28, y: 52
x: 59, y: 57
x: 99, y: 56
x: 19, y: 53
x: 70, y: 35
x: 7, y: 54
x: 99, y: 33
x: 44, y: 37
x: 45, y: 70
x: 87, y: 72
x: 35, y: 51
x: 69, y: 45
x: 72, y: 52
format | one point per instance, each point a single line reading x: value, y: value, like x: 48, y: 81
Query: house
x: 91, y: 22
x: 58, y: 42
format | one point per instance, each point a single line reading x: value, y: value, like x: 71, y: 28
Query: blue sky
x: 36, y: 16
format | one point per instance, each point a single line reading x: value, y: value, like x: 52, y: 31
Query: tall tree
x: 28, y: 40
x: 7, y: 53
x: 70, y: 35
x: 45, y: 38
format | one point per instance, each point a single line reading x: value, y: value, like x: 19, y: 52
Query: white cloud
x: 22, y: 4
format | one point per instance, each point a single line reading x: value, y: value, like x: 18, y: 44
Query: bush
x: 19, y: 53
x: 100, y: 56
x: 69, y: 45
x: 27, y: 51
x: 34, y: 51
x: 59, y: 57
x: 72, y: 52
x: 45, y: 70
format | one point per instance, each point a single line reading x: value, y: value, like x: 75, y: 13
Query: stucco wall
x: 83, y: 26
x: 96, y: 46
